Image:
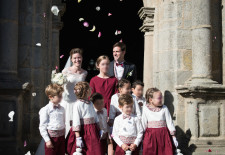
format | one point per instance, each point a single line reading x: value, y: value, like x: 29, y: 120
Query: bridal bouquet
x: 58, y: 78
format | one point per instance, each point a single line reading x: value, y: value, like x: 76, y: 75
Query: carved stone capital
x: 147, y: 15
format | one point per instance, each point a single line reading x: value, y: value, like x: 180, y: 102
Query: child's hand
x: 125, y: 147
x: 49, y: 145
x: 140, y: 104
x: 133, y: 147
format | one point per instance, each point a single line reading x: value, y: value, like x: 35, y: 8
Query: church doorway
x: 108, y: 16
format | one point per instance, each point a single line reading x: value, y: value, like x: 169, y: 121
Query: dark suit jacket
x: 128, y: 67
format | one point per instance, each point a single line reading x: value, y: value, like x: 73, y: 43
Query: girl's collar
x: 156, y: 109
x: 85, y: 101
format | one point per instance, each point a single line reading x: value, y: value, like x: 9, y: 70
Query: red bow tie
x: 56, y: 106
x: 126, y: 116
x: 121, y: 64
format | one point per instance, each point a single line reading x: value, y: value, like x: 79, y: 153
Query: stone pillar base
x: 204, y: 117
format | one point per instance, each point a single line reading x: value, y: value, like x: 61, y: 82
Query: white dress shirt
x: 51, y: 118
x: 83, y: 113
x: 102, y: 116
x: 115, y: 110
x: 127, y: 130
x: 138, y: 100
x: 119, y: 70
x: 157, y: 118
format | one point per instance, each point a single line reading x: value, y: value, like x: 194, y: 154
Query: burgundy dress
x: 105, y: 86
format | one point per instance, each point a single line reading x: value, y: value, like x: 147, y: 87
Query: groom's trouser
x: 59, y: 146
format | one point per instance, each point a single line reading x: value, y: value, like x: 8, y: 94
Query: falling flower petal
x: 11, y: 114
x: 209, y: 150
x: 44, y: 14
x: 93, y: 29
x: 116, y: 32
x: 28, y: 153
x: 61, y: 56
x: 99, y: 34
x: 121, y: 40
x: 119, y: 32
x: 78, y: 1
x: 98, y: 8
x: 85, y: 24
x: 25, y: 144
x: 215, y: 37
x: 109, y: 14
x: 34, y: 94
x: 56, y: 67
x: 81, y: 19
x: 55, y: 10
x: 38, y: 44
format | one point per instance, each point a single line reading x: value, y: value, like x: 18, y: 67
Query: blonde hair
x: 81, y: 89
x: 76, y: 50
x: 53, y: 90
x: 149, y: 93
x: 102, y: 57
x: 125, y: 99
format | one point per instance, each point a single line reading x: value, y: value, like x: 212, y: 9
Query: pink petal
x: 209, y: 150
x: 99, y: 34
x: 215, y: 37
x: 86, y: 24
x: 25, y: 144
x: 109, y: 14
x: 121, y: 40
x: 44, y: 14
x: 61, y: 56
x: 119, y: 32
x: 56, y: 67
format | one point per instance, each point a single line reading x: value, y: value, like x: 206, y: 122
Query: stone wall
x: 25, y: 68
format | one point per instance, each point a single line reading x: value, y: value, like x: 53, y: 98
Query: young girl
x: 105, y: 85
x: 124, y: 88
x: 84, y: 132
x: 159, y: 137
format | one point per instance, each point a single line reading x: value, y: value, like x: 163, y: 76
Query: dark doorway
x: 124, y: 18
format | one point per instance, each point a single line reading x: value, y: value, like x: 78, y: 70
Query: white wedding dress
x: 69, y: 98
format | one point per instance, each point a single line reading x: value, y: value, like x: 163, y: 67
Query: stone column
x: 8, y: 39
x: 201, y: 43
x: 147, y: 15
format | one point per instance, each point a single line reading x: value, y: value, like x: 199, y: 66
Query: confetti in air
x: 11, y: 114
x: 61, y: 56
x: 93, y: 29
x: 28, y: 153
x: 38, y: 44
x: 85, y: 24
x: 56, y: 67
x: 55, y: 10
x: 33, y: 94
x: 44, y: 14
x: 81, y: 19
x: 25, y: 144
x: 209, y: 150
x: 117, y: 32
x: 109, y: 14
x: 78, y: 1
x: 121, y: 40
x: 99, y: 34
x: 98, y: 8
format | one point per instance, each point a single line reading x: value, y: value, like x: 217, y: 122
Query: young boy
x: 137, y: 89
x: 127, y: 128
x: 52, y: 121
x: 98, y: 101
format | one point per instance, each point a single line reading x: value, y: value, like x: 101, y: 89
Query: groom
x: 120, y: 68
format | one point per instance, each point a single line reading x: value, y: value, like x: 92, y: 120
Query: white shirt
x: 115, y: 110
x: 128, y: 130
x: 51, y: 119
x: 119, y: 70
x: 102, y: 116
x: 83, y: 113
x: 157, y: 118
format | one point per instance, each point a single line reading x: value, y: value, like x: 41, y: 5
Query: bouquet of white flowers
x: 58, y: 78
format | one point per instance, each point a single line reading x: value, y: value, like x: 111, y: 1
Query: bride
x: 74, y: 74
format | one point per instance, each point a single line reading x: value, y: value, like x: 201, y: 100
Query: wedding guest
x: 119, y: 67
